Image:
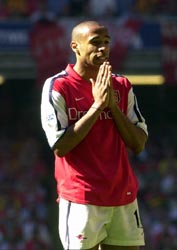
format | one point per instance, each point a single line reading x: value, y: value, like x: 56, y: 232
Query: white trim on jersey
x: 54, y: 123
x: 134, y: 113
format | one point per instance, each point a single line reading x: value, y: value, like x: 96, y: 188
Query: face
x: 93, y: 46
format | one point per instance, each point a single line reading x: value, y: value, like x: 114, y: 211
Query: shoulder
x: 122, y: 81
x: 59, y: 80
x: 52, y: 79
x: 54, y: 82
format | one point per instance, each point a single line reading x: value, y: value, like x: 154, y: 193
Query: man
x: 90, y: 117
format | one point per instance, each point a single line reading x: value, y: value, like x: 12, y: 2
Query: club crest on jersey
x: 117, y: 96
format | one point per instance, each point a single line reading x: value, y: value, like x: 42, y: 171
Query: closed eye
x: 99, y: 42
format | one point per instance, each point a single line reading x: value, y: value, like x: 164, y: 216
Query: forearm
x: 77, y: 132
x: 133, y: 136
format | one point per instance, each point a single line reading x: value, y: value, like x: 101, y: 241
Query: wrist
x: 97, y: 107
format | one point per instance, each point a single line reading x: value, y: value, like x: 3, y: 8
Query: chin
x: 97, y: 63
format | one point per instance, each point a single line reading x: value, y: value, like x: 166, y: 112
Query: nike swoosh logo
x: 79, y: 99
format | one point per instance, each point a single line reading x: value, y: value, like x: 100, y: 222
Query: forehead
x: 90, y: 32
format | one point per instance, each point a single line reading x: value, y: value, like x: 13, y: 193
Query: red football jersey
x: 97, y: 171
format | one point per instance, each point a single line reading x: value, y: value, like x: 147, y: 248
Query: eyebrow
x: 97, y: 37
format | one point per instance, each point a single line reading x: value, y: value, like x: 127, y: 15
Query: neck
x: 86, y: 72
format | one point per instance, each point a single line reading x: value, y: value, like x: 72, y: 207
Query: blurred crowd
x: 24, y: 175
x: 23, y: 196
x: 12, y: 9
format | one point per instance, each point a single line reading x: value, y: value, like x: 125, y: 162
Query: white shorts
x: 85, y: 226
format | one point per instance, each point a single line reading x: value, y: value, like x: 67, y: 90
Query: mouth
x: 102, y: 58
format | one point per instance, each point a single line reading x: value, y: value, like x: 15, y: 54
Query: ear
x: 74, y: 47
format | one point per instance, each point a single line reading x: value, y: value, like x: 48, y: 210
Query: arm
x: 133, y: 136
x: 77, y: 132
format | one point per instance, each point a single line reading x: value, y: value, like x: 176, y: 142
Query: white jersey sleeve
x: 53, y: 113
x: 134, y: 113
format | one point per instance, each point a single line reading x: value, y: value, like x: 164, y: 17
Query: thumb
x: 92, y: 81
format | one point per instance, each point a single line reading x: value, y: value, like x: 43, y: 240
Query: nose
x: 102, y: 47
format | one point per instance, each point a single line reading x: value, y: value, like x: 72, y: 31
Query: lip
x: 102, y: 58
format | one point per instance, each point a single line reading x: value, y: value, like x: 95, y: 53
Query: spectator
x: 42, y: 13
x: 78, y: 7
x: 105, y: 8
x: 125, y: 8
x: 59, y: 8
x: 17, y: 9
x: 4, y: 11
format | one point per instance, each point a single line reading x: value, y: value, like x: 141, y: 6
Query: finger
x: 106, y: 76
x: 100, y: 73
x: 92, y: 81
x: 110, y: 76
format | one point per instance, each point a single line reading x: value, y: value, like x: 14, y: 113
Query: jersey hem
x: 96, y: 203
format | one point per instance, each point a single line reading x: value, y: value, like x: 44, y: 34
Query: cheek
x: 109, y: 50
x: 88, y: 55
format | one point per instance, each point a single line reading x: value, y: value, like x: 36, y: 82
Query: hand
x: 112, y: 100
x: 101, y: 87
